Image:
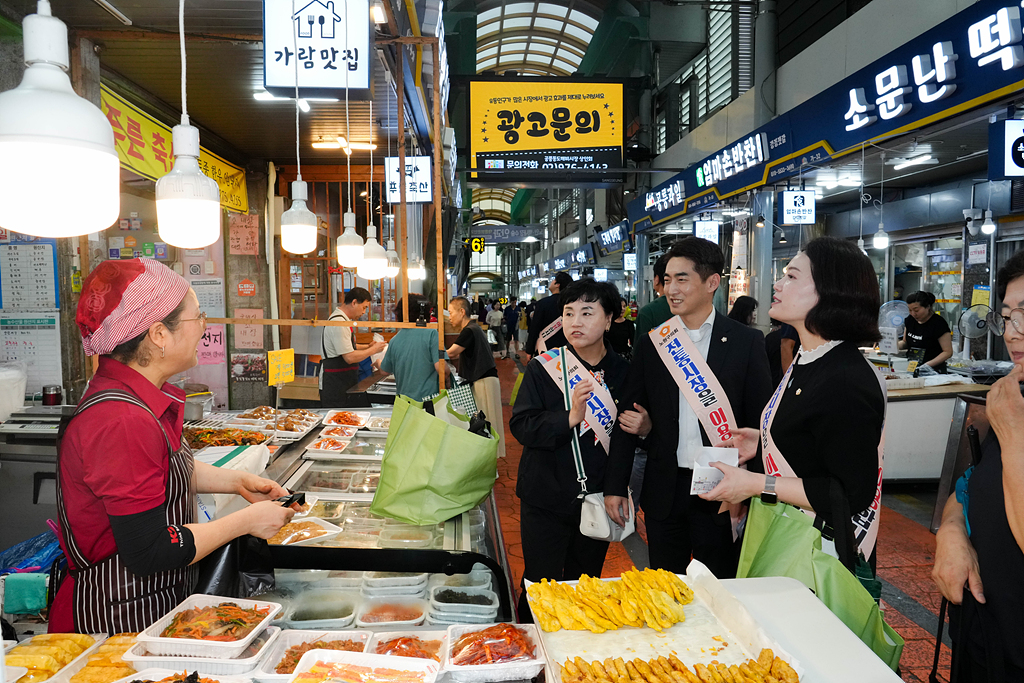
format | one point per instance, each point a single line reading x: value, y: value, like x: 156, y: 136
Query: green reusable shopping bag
x: 780, y: 540
x: 433, y: 467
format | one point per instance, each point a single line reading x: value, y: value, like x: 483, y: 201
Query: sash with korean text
x: 866, y: 523
x: 547, y: 333
x: 601, y: 410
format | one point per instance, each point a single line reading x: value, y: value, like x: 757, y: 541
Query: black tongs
x: 294, y: 499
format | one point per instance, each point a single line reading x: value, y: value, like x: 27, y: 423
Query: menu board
x: 28, y: 276
x: 32, y: 338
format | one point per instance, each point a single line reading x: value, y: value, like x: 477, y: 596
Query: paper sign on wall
x: 982, y: 295
x: 247, y: 288
x: 210, y: 293
x: 280, y: 366
x: 889, y: 342
x: 243, y: 234
x: 248, y: 336
x: 212, y: 349
x: 248, y: 367
x: 977, y: 254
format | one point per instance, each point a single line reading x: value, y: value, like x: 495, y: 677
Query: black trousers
x: 692, y: 528
x: 554, y: 548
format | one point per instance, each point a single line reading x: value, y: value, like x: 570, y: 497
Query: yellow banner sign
x: 280, y: 366
x: 535, y: 125
x: 144, y: 146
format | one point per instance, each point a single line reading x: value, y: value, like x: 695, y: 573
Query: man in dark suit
x: 660, y: 419
x: 548, y: 310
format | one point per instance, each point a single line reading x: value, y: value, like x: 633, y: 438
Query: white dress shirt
x: 690, y: 442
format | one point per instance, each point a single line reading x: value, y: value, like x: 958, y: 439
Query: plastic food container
x: 187, y: 647
x: 160, y: 674
x: 331, y: 529
x: 426, y: 668
x: 300, y: 576
x: 364, y: 484
x: 331, y: 510
x: 396, y: 592
x: 392, y: 579
x: 490, y: 607
x: 323, y: 609
x: 471, y: 580
x: 266, y: 671
x: 311, y: 501
x: 342, y: 579
x: 141, y: 659
x: 351, y: 539
x: 76, y: 664
x: 373, y: 612
x: 486, y: 673
x: 401, y: 538
x: 361, y: 417
x: 385, y: 636
x: 378, y: 424
x: 338, y: 432
x: 447, y: 619
x: 328, y: 446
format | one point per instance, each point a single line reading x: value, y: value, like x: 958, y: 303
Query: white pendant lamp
x: 298, y: 223
x: 375, y: 259
x: 417, y: 270
x: 394, y: 263
x: 188, y: 212
x: 54, y: 143
x: 881, y: 238
x: 350, y: 244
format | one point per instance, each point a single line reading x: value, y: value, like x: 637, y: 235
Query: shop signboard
x: 614, y: 239
x: 328, y: 43
x: 1006, y: 149
x: 706, y: 230
x: 796, y: 207
x: 601, y: 274
x: 973, y: 58
x: 533, y: 132
x: 144, y: 147
x: 497, y: 234
x: 418, y: 174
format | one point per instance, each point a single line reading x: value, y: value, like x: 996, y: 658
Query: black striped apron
x: 107, y: 597
x: 339, y: 377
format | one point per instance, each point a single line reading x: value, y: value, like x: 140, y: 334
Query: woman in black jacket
x: 553, y: 547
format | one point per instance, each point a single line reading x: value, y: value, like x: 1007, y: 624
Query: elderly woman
x: 822, y: 428
x: 126, y: 478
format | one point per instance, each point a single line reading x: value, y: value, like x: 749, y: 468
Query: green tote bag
x: 433, y: 467
x: 780, y: 540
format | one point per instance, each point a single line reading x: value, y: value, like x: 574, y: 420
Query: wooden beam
x: 402, y: 206
x: 407, y: 40
x: 143, y: 35
x: 301, y: 322
x: 333, y: 173
x: 439, y: 272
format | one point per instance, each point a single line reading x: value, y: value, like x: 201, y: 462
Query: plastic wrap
x: 355, y: 667
x: 423, y: 645
x: 498, y: 644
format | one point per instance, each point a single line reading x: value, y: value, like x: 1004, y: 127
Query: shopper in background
x: 547, y: 486
x: 412, y: 355
x: 339, y: 370
x: 494, y: 320
x: 524, y: 327
x: 621, y: 333
x: 743, y: 310
x: 978, y: 549
x: 655, y: 409
x: 824, y: 425
x: 127, y: 481
x: 511, y: 321
x: 780, y: 344
x: 927, y: 338
x: 548, y: 311
x: 476, y: 365
x: 634, y: 310
x: 656, y: 312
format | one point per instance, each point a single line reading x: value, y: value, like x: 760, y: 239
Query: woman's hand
x: 737, y: 486
x: 617, y: 508
x: 636, y: 421
x: 956, y: 564
x: 255, y: 489
x: 746, y: 441
x: 1005, y: 408
x: 267, y: 517
x: 580, y: 393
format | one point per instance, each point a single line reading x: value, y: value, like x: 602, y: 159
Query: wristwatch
x: 768, y: 496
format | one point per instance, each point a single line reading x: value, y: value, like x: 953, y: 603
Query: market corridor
x: 905, y: 553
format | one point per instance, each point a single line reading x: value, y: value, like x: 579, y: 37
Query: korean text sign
x: 144, y: 147
x: 280, y: 366
x: 418, y: 185
x: 534, y: 126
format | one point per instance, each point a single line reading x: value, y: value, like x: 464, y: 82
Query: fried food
x: 292, y: 655
x: 33, y: 662
x: 61, y: 655
x: 46, y: 654
x: 83, y: 640
x: 102, y: 674
x: 296, y: 531
x: 672, y: 670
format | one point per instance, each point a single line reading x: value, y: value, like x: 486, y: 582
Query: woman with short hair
x: 927, y: 338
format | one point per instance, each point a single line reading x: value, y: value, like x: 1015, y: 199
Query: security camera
x: 973, y: 216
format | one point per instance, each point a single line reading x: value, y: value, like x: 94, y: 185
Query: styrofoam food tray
x: 160, y: 674
x: 371, y: 604
x: 328, y: 451
x: 384, y: 636
x: 265, y: 671
x: 363, y: 415
x: 13, y: 673
x: 311, y: 500
x: 484, y: 673
x: 188, y: 647
x: 76, y: 664
x: 351, y: 600
x: 332, y: 531
x: 348, y: 431
x: 343, y: 579
x: 379, y: 423
x: 464, y: 607
x: 8, y: 644
x: 427, y: 667
x: 140, y: 658
x: 375, y: 580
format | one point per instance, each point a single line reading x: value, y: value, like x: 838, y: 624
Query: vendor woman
x: 927, y: 337
x: 127, y: 482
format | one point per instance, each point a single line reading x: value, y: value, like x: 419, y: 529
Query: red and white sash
x: 865, y: 524
x: 702, y: 391
x: 601, y: 410
x: 547, y: 333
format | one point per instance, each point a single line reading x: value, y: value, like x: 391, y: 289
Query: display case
x: 348, y: 478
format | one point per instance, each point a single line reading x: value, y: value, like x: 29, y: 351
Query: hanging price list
x: 27, y: 276
x: 32, y: 338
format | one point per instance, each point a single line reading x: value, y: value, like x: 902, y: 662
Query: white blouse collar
x: 806, y: 357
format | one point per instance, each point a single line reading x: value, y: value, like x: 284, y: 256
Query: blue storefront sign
x: 577, y: 258
x: 496, y: 234
x: 614, y: 239
x: 972, y: 58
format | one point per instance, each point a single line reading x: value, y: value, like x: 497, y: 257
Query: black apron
x: 107, y: 597
x: 338, y: 378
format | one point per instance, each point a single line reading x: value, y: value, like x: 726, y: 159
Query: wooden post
x: 438, y: 144
x: 403, y: 231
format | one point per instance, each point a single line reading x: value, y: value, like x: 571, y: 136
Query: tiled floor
x: 905, y: 553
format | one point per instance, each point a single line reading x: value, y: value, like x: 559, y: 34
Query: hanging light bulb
x: 350, y: 244
x: 881, y: 238
x: 989, y: 226
x: 188, y: 212
x: 47, y: 132
x: 860, y: 245
x: 394, y: 263
x: 298, y: 223
x: 375, y: 259
x: 417, y: 270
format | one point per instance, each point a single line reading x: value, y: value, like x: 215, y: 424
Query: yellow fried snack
x: 38, y: 663
x: 724, y: 672
x: 36, y: 676
x: 703, y: 674
x: 783, y: 671
x: 599, y: 672
x: 102, y: 674
x: 82, y: 640
x: 571, y: 673
x: 62, y: 656
x: 751, y: 673
x: 634, y: 675
x: 584, y: 668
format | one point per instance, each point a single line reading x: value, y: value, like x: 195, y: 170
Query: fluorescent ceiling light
x: 923, y: 159
x: 116, y: 13
x: 264, y: 96
x: 303, y: 105
x: 849, y: 182
x: 326, y: 144
x: 377, y: 12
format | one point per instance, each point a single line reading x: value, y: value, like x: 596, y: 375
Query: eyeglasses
x: 201, y: 318
x: 1016, y: 317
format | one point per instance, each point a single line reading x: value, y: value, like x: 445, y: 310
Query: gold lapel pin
x: 798, y: 391
x: 725, y: 338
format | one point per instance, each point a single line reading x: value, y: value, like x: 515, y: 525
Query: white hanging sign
x: 329, y: 38
x: 417, y: 179
x: 797, y: 207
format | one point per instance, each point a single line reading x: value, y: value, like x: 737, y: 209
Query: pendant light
x: 350, y: 244
x: 860, y: 239
x: 417, y: 270
x: 375, y: 259
x: 298, y: 223
x: 54, y: 143
x: 988, y: 226
x: 188, y: 212
x: 394, y: 262
x: 881, y: 238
